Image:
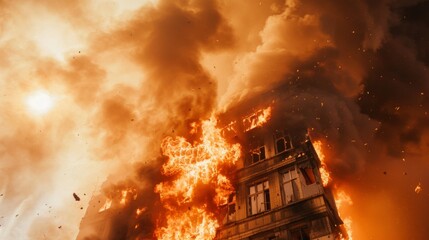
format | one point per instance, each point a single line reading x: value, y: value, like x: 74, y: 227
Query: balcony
x: 268, y: 165
x: 273, y: 219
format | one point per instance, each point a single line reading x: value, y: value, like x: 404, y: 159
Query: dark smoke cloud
x: 331, y: 65
x: 371, y: 76
x: 372, y: 57
x: 166, y: 42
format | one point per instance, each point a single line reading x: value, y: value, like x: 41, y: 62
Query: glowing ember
x: 139, y: 211
x: 257, y: 119
x: 40, y: 102
x: 418, y: 189
x: 326, y: 176
x: 192, y: 165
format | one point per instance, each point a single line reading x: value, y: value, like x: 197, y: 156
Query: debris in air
x: 76, y: 197
x: 418, y: 189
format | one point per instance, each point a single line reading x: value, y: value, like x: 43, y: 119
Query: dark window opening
x: 267, y: 199
x: 319, y: 227
x: 262, y: 151
x: 300, y: 234
x: 258, y: 154
x: 308, y: 175
x: 231, y: 208
x: 283, y: 143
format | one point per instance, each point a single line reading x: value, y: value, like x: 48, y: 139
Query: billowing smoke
x: 120, y: 80
x: 167, y: 42
x: 354, y: 72
x: 123, y: 75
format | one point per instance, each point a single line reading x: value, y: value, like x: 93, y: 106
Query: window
x: 231, y: 208
x: 308, y: 174
x: 290, y: 186
x: 257, y: 154
x: 307, y: 180
x: 319, y: 227
x: 283, y: 142
x: 259, y: 198
x: 300, y: 234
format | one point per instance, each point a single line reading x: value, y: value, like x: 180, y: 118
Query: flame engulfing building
x: 278, y: 188
x: 279, y: 192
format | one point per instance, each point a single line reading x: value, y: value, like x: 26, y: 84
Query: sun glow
x: 40, y: 102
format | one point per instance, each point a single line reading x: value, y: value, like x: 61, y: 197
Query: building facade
x: 279, y: 191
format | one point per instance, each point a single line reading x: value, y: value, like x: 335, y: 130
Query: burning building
x: 279, y: 190
x: 274, y: 191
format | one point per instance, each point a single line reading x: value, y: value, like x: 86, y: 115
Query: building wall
x: 283, y: 219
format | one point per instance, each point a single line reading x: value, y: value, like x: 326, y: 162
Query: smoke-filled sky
x: 123, y: 74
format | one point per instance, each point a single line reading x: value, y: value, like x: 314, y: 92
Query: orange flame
x: 139, y: 211
x: 325, y: 174
x: 106, y: 205
x: 257, y: 119
x: 127, y: 195
x: 194, y: 164
x: 341, y: 197
x: 348, y: 226
x: 124, y: 197
x: 196, y: 223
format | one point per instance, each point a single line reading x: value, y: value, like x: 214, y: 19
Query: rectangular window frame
x: 300, y: 233
x: 257, y: 154
x: 320, y: 227
x: 258, y: 199
x: 231, y: 208
x: 287, y: 142
x: 290, y: 182
x: 308, y: 174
